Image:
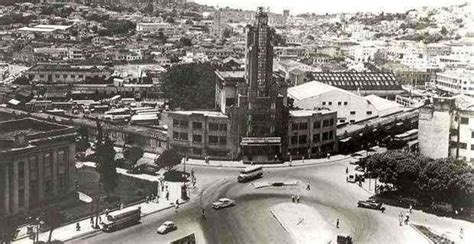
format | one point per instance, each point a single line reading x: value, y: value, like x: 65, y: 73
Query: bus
x: 121, y: 218
x: 407, y: 136
x: 250, y: 173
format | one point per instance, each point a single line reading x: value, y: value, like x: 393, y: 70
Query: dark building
x: 36, y: 164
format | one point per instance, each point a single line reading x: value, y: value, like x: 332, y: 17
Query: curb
x: 276, y: 217
x: 269, y: 165
x: 99, y: 230
x: 423, y: 235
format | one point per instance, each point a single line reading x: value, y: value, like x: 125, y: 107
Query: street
x: 250, y: 221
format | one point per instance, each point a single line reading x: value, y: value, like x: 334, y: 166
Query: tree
x: 105, y: 154
x: 227, y: 33
x: 52, y: 219
x: 310, y: 37
x: 168, y: 159
x: 133, y: 154
x: 189, y: 86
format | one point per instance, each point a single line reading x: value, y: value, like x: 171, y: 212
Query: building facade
x: 65, y: 74
x: 446, y: 128
x: 456, y: 82
x: 36, y: 164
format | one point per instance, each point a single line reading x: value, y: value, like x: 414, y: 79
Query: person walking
x: 337, y: 223
x: 410, y: 208
x: 167, y: 195
x: 308, y: 187
x: 177, y: 203
x: 347, y: 170
x: 92, y: 220
x: 78, y: 226
x: 298, y: 199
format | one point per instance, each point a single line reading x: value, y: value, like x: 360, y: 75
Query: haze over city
x: 335, y: 6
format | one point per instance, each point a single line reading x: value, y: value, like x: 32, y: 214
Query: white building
x: 153, y: 27
x: 454, y: 82
x: 446, y: 128
x: 349, y: 106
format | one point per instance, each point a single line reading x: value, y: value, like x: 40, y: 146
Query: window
x: 229, y: 101
x: 175, y: 123
x: 324, y: 103
x: 472, y: 147
x: 183, y: 123
x: 294, y: 140
x: 64, y: 76
x: 352, y: 121
x: 223, y: 127
x: 369, y: 112
x: 317, y: 124
x: 47, y: 170
x: 316, y: 138
x: 222, y: 140
x: 213, y: 139
x: 330, y: 103
x: 464, y: 120
x: 331, y: 134
x: 197, y: 138
x: 353, y: 112
x: 472, y: 134
x: 345, y: 103
x: 183, y: 136
x: 331, y: 122
x: 303, y: 139
x: 197, y: 125
x: 339, y: 103
x: 303, y: 126
x: 294, y: 126
x: 73, y: 76
x: 325, y: 136
x: 462, y: 145
x: 56, y: 76
x: 213, y: 126
x: 175, y: 135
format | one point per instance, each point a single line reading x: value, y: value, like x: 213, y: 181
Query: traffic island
x: 303, y: 223
x: 261, y: 184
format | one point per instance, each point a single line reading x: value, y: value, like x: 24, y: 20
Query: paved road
x: 250, y: 221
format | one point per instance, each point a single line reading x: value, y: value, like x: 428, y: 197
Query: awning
x: 260, y: 141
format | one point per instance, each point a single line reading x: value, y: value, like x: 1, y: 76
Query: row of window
x: 303, y: 139
x: 316, y: 124
x: 461, y: 145
x: 338, y: 103
x: 199, y: 125
x: 183, y: 136
x: 72, y: 76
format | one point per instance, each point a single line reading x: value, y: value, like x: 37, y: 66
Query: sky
x: 331, y: 6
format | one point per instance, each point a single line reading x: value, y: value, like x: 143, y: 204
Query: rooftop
x: 204, y: 113
x: 382, y: 104
x: 359, y: 80
x: 311, y: 89
x: 306, y: 113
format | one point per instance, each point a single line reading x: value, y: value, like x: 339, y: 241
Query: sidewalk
x: 239, y: 164
x: 69, y: 232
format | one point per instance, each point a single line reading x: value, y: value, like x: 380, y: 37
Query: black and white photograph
x: 236, y: 122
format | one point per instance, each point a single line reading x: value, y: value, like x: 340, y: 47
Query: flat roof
x: 205, y: 113
x: 305, y: 113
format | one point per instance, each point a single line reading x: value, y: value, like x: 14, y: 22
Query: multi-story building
x: 445, y: 128
x: 455, y: 82
x: 62, y: 73
x: 36, y: 163
x: 252, y: 122
x: 311, y: 132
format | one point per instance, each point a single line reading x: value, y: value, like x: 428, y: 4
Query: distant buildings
x: 445, y: 128
x: 455, y: 82
x: 37, y: 164
x: 62, y: 73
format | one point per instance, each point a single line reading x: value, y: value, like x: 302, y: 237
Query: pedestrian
x: 298, y: 199
x: 337, y: 223
x: 292, y: 198
x: 347, y: 170
x: 92, y: 220
x: 78, y: 226
x: 177, y: 203
x: 461, y: 234
x: 162, y: 187
x: 100, y: 220
x: 167, y: 195
x: 308, y: 187
x: 410, y: 209
x: 407, y: 218
x: 329, y: 155
x: 203, y: 213
x: 347, y: 178
x: 146, y: 199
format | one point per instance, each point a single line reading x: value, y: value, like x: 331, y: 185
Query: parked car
x: 372, y: 204
x: 166, y: 227
x: 223, y: 203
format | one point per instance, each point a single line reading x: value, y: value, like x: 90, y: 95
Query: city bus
x: 250, y: 173
x: 121, y: 218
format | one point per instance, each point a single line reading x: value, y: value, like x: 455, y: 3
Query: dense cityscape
x: 171, y: 121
